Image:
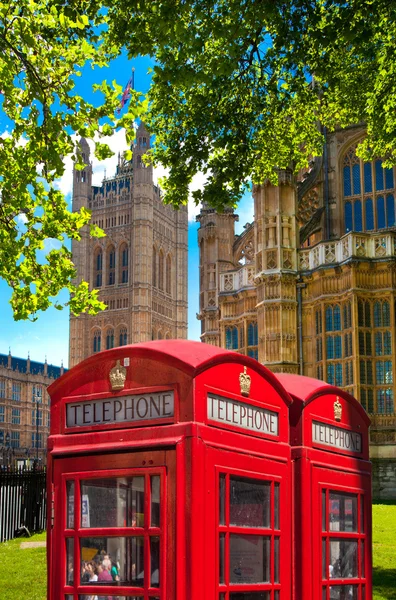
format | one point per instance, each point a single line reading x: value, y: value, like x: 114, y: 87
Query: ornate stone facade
x: 316, y: 292
x: 139, y: 268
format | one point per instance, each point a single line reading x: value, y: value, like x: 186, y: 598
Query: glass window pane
x: 389, y: 178
x: 343, y: 558
x: 323, y: 510
x: 342, y: 512
x: 249, y: 559
x: 276, y: 506
x: 362, y: 557
x: 368, y: 180
x: 380, y: 212
x: 221, y: 557
x: 348, y: 217
x: 113, y: 559
x: 390, y: 211
x: 347, y: 181
x: 358, y: 216
x: 324, y: 560
x: 222, y: 500
x: 112, y: 502
x: 249, y: 502
x: 361, y: 514
x: 344, y: 592
x: 356, y: 179
x: 70, y: 504
x: 70, y: 561
x: 369, y: 214
x: 379, y: 175
x: 324, y: 593
x: 155, y: 561
x: 276, y: 559
x: 155, y: 501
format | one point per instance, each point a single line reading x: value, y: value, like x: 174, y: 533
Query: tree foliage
x: 242, y: 88
x: 44, y: 46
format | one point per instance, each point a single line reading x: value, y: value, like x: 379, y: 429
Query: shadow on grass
x: 384, y: 583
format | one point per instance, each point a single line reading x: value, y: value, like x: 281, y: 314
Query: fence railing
x: 22, y: 501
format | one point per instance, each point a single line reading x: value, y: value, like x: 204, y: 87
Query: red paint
x: 226, y: 496
x: 327, y: 482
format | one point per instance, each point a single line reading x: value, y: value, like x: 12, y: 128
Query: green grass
x: 23, y: 572
x: 384, y: 551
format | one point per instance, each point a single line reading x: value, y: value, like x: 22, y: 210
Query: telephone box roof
x: 304, y: 390
x: 188, y: 356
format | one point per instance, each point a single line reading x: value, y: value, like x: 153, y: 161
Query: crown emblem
x: 337, y: 410
x: 245, y: 381
x: 117, y: 377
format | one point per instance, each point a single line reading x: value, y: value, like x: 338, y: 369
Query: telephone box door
x: 114, y: 534
x: 251, y: 521
x: 341, y: 535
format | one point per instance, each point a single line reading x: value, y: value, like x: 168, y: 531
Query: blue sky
x: 49, y: 335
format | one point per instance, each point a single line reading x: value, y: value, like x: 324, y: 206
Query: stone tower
x: 276, y: 268
x: 140, y: 267
x: 215, y: 239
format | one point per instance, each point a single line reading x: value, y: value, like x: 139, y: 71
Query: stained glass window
x: 379, y: 175
x: 356, y: 179
x: 347, y: 181
x: 368, y: 180
x: 358, y: 216
x: 329, y: 319
x: 330, y: 374
x: 337, y: 347
x: 362, y: 213
x: 338, y: 374
x: 348, y: 217
x: 390, y: 211
x: 380, y: 212
x: 389, y: 179
x: 337, y: 318
x: 369, y: 214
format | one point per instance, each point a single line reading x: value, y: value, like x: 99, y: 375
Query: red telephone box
x: 332, y: 492
x: 170, y: 477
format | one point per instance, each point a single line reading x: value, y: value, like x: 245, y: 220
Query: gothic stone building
x: 310, y: 286
x: 24, y: 408
x: 139, y: 268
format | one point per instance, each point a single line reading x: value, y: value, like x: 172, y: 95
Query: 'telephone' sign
x: 336, y: 437
x: 124, y: 409
x: 245, y: 416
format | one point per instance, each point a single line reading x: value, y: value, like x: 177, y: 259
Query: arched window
x: 161, y: 270
x: 123, y: 340
x: 124, y: 264
x: 110, y: 339
x: 97, y: 339
x: 168, y: 274
x: 159, y: 336
x: 154, y: 267
x: 111, y: 259
x: 252, y: 334
x: 98, y: 267
x: 231, y: 334
x: 366, y: 207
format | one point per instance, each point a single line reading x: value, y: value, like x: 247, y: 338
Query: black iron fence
x: 22, y: 501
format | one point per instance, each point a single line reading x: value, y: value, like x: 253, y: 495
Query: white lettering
x: 241, y: 415
x: 328, y: 435
x: 124, y: 409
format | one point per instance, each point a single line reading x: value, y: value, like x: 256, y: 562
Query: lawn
x: 23, y: 572
x: 384, y: 551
